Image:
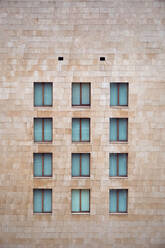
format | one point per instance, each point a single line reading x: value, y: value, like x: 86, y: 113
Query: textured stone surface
x: 131, y: 35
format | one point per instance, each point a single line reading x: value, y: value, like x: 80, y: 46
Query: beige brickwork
x: 131, y: 36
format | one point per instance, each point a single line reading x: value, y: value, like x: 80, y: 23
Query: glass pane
x: 75, y: 200
x: 113, y: 201
x: 84, y: 200
x: 75, y: 94
x: 113, y: 94
x: 47, y: 129
x: 38, y: 165
x: 122, y: 164
x: 38, y: 130
x: 85, y: 129
x: 75, y: 129
x: 122, y: 200
x: 123, y: 94
x: 47, y: 200
x: 37, y: 94
x: 75, y: 164
x: 47, y: 94
x: 37, y: 201
x: 122, y: 129
x: 47, y: 164
x: 85, y: 94
x: 85, y: 164
x: 113, y: 164
x: 113, y: 129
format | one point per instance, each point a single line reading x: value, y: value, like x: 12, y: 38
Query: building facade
x: 82, y: 124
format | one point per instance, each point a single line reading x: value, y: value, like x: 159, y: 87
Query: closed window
x: 118, y: 200
x: 42, y: 164
x: 43, y: 129
x: 42, y: 94
x: 80, y: 129
x: 80, y: 200
x: 80, y: 94
x: 80, y: 164
x: 119, y: 94
x: 42, y: 200
x: 118, y: 129
x: 118, y: 164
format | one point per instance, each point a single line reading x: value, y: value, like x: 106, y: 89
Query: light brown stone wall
x: 131, y: 35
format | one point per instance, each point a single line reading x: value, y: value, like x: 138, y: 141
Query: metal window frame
x: 118, y: 154
x: 117, y: 192
x: 74, y: 105
x: 80, y: 201
x: 42, y: 190
x: 81, y: 165
x: 42, y: 155
x: 43, y: 89
x: 43, y: 128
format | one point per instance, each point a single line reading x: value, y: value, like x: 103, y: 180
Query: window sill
x: 79, y: 177
x: 44, y: 177
x: 44, y: 106
x: 126, y: 177
x: 118, y: 142
x: 43, y: 142
x: 119, y: 107
x: 81, y: 106
x: 42, y: 213
x: 118, y: 213
x: 80, y: 142
x: 87, y: 213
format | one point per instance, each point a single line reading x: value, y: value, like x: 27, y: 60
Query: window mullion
x: 42, y: 164
x: 80, y: 93
x: 117, y: 200
x: 43, y: 86
x: 80, y: 200
x: 42, y: 200
x: 42, y: 129
x: 80, y: 129
x: 118, y: 85
x: 117, y: 164
x: 117, y: 129
x: 80, y: 164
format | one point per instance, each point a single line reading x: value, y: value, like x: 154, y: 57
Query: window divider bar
x: 80, y: 200
x: 80, y: 164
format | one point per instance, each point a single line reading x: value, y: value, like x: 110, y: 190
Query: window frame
x: 80, y: 165
x: 118, y: 89
x: 81, y: 104
x: 117, y: 140
x: 118, y: 154
x: 80, y: 137
x: 43, y: 89
x: 77, y: 212
x: 117, y: 211
x: 42, y: 155
x: 43, y: 127
x: 42, y: 190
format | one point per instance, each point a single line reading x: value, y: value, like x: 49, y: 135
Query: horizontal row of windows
x: 80, y: 200
x: 81, y: 94
x: 80, y: 129
x: 118, y: 164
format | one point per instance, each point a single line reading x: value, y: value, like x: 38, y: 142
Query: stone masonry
x: 130, y: 34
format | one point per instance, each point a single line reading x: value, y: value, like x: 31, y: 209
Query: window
x: 42, y: 164
x: 81, y: 94
x: 80, y: 200
x: 80, y: 165
x: 80, y: 129
x: 118, y: 164
x: 119, y: 94
x: 42, y: 129
x: 42, y: 94
x: 118, y: 129
x: 42, y: 200
x: 118, y: 200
